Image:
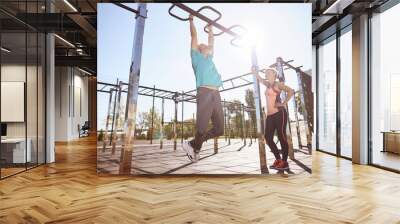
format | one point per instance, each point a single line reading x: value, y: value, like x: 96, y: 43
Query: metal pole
x: 229, y: 127
x: 162, y: 124
x: 133, y: 87
x: 260, y: 124
x: 242, y: 122
x: 175, y: 119
x: 182, y: 121
x: 216, y: 145
x: 224, y: 120
x: 117, y: 117
x: 302, y: 93
x: 194, y: 127
x: 251, y: 129
x: 244, y: 125
x: 152, y: 117
x: 113, y: 116
x: 105, y: 140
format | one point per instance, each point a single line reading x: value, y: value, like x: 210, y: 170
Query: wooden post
x: 133, y: 91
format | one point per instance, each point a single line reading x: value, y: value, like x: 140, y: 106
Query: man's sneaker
x: 189, y: 150
x: 275, y: 164
x: 196, y: 157
x: 283, y: 165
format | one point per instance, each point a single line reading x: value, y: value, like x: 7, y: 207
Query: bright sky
x: 282, y: 30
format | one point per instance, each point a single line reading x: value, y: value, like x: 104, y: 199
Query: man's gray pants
x: 208, y: 107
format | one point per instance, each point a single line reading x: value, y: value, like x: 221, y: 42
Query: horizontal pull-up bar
x: 126, y: 7
x: 206, y: 19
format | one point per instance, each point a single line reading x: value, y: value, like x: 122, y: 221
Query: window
x: 346, y: 93
x: 327, y: 96
x: 22, y: 76
x: 385, y: 89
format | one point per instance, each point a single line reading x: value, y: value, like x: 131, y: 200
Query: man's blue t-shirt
x: 204, y: 70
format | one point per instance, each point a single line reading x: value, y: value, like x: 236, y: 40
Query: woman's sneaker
x: 187, y: 147
x: 275, y: 164
x: 283, y: 165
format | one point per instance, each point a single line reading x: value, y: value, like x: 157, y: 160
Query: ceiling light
x: 84, y: 71
x: 338, y: 6
x: 70, y: 5
x: 5, y: 50
x: 64, y: 40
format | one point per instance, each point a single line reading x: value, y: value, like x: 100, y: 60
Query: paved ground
x: 235, y: 158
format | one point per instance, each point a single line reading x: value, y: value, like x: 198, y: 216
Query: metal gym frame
x: 134, y: 89
x: 114, y: 109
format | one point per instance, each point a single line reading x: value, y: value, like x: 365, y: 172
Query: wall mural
x: 197, y: 89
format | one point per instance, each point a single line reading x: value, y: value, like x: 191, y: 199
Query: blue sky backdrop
x: 280, y: 30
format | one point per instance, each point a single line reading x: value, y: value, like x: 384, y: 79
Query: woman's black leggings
x: 278, y: 122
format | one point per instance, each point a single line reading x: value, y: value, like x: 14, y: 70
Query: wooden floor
x: 70, y: 191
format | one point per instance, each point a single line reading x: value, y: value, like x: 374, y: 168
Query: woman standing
x: 277, y: 116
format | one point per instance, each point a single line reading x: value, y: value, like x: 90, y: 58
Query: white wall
x: 12, y: 73
x: 71, y: 102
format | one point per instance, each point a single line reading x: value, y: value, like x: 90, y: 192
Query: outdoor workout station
x: 119, y: 144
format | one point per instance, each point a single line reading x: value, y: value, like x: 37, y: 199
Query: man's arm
x: 193, y: 34
x: 210, y: 38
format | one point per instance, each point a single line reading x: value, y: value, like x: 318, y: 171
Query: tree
x: 169, y: 130
x: 144, y: 123
x: 235, y: 121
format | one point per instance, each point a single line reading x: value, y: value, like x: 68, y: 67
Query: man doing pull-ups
x: 208, y: 99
